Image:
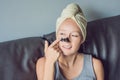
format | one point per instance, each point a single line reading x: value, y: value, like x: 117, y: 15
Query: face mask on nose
x: 65, y: 40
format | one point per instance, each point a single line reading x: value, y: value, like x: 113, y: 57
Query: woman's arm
x: 49, y: 70
x: 44, y: 69
x: 98, y: 68
x: 40, y: 68
x: 45, y: 66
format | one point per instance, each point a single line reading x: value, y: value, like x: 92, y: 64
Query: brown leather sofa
x: 18, y: 57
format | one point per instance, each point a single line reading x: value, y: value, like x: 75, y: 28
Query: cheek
x: 60, y: 44
x: 76, y: 44
x: 58, y: 37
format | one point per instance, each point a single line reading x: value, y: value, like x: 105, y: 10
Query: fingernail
x: 45, y: 41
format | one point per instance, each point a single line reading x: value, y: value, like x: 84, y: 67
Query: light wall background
x: 31, y: 18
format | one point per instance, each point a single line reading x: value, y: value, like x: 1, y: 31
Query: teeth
x: 67, y: 46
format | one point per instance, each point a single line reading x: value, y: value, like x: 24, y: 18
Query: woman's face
x: 69, y: 29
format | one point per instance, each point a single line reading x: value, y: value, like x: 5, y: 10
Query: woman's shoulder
x: 97, y: 63
x: 40, y: 67
x: 98, y: 68
x: 41, y: 61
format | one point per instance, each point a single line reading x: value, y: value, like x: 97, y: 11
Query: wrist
x: 49, y: 61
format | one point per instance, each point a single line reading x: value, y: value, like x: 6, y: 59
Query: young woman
x: 62, y: 61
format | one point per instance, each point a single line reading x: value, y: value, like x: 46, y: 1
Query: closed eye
x: 75, y: 35
x: 62, y: 34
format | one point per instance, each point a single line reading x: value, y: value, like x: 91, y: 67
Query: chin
x: 68, y: 53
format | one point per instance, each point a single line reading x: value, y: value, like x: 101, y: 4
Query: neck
x: 67, y: 60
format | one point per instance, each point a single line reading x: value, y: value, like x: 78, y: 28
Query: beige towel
x: 74, y: 12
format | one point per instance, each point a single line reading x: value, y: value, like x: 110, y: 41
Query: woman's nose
x: 65, y: 39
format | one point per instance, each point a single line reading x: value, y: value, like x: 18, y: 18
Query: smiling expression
x: 69, y: 29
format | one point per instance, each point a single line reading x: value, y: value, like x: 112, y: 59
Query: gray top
x: 86, y: 74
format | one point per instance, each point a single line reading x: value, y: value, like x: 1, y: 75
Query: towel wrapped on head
x: 74, y: 12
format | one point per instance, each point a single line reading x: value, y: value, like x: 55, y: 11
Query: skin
x: 66, y: 53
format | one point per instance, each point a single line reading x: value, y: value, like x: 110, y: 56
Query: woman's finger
x: 46, y: 46
x: 54, y: 43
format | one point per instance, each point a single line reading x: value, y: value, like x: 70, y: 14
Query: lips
x: 67, y: 46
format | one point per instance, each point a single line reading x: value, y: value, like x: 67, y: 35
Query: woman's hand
x: 52, y: 52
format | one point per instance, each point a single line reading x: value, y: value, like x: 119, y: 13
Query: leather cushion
x: 18, y: 58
